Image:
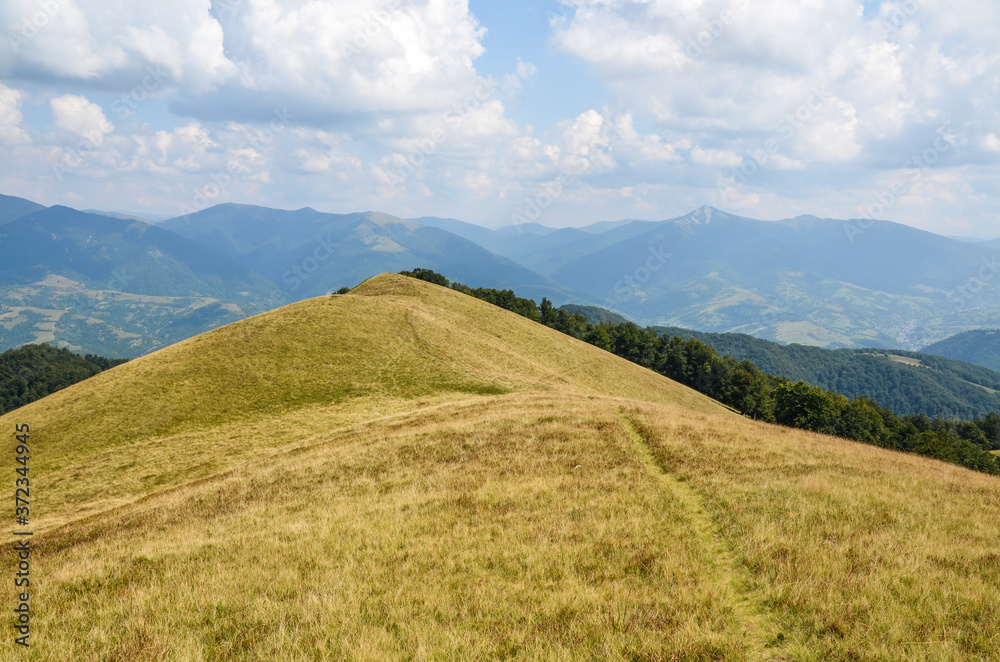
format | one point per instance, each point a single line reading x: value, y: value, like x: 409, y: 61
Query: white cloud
x: 738, y: 67
x: 715, y: 157
x: 367, y: 56
x: 525, y: 69
x: 78, y: 115
x: 991, y: 143
x: 94, y: 40
x: 12, y: 131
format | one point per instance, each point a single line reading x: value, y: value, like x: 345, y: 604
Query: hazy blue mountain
x: 485, y: 237
x: 520, y: 229
x: 12, y: 208
x: 604, y: 226
x: 797, y: 280
x: 128, y: 216
x: 307, y: 253
x: 507, y: 241
x: 137, y: 257
x: 539, y: 248
x: 116, y: 287
x: 981, y: 346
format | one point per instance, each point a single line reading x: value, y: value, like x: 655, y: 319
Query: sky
x: 564, y: 112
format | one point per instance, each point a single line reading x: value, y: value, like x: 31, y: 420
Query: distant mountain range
x: 116, y: 287
x: 112, y: 284
x: 307, y: 253
x: 809, y: 280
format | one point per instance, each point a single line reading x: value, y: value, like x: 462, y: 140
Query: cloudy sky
x: 565, y: 112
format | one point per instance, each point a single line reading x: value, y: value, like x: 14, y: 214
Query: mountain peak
x: 380, y: 218
x: 704, y: 213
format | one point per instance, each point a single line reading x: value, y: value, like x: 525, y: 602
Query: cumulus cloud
x: 12, y: 131
x: 112, y: 43
x: 78, y: 115
x: 737, y: 67
x: 335, y: 62
x: 715, y: 157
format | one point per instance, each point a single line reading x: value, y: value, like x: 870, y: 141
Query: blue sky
x: 563, y: 113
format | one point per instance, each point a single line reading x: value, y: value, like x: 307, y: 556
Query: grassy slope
x: 408, y: 473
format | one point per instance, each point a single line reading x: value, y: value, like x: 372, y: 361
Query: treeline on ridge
x: 744, y: 387
x: 32, y: 372
x: 940, y: 387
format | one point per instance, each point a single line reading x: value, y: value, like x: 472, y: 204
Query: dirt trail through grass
x: 722, y: 571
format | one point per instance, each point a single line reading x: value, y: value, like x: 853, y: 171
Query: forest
x: 32, y: 372
x: 937, y: 386
x: 750, y: 391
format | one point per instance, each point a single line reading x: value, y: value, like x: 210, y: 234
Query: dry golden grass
x: 407, y: 473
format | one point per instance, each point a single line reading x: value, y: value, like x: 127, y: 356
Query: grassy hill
x: 405, y: 472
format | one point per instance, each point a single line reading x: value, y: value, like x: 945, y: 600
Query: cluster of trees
x: 747, y: 389
x: 940, y: 387
x: 34, y: 371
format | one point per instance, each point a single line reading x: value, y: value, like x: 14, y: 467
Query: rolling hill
x: 981, y: 347
x: 405, y: 472
x: 308, y: 253
x: 116, y: 287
